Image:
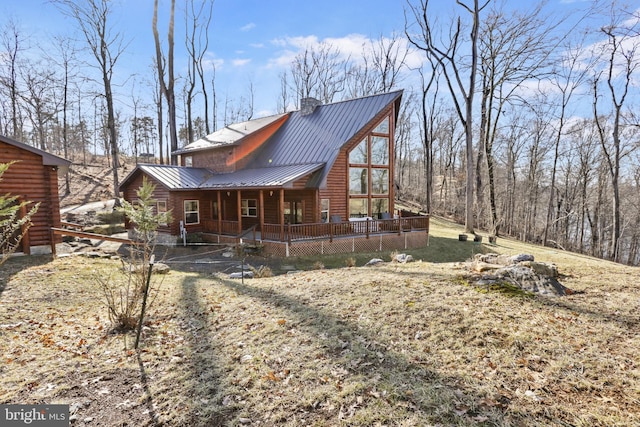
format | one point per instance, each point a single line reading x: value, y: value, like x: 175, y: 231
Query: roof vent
x: 308, y: 105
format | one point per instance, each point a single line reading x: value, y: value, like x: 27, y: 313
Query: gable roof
x: 319, y: 136
x: 229, y: 135
x: 47, y: 158
x: 300, y: 144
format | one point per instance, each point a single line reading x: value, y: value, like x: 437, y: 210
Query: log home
x: 34, y: 178
x: 315, y: 180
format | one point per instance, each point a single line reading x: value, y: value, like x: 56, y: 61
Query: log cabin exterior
x: 34, y: 178
x: 321, y: 176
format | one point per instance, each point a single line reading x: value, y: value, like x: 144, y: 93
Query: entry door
x: 293, y: 212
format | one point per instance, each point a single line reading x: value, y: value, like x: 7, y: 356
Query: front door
x: 293, y: 212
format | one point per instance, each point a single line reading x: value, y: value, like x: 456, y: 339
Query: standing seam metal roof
x: 317, y: 137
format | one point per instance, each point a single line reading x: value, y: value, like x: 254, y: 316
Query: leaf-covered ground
x: 394, y: 344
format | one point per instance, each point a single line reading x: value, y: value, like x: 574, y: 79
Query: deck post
x: 281, y: 204
x: 261, y: 202
x: 219, y: 213
x: 239, y: 210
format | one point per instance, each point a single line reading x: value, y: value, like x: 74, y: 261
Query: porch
x: 356, y: 235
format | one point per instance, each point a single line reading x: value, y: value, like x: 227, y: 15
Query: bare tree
x: 12, y: 42
x: 621, y: 64
x: 41, y: 101
x: 92, y: 16
x: 452, y: 63
x: 513, y: 49
x: 567, y: 79
x: 383, y: 61
x: 197, y: 45
x: 319, y: 72
x: 66, y: 59
x: 168, y: 86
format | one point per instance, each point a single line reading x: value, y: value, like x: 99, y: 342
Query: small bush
x: 318, y: 265
x: 394, y: 256
x: 350, y: 262
x: 262, y: 271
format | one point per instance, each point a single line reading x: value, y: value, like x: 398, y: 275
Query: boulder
x: 403, y: 258
x: 374, y: 261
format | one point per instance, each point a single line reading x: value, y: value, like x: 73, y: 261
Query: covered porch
x: 292, y: 222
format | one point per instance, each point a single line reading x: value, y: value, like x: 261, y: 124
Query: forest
x: 515, y: 121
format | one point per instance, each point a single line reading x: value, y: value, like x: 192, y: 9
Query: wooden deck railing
x: 330, y: 230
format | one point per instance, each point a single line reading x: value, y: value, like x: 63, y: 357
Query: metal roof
x: 303, y: 144
x: 229, y: 134
x: 319, y: 136
x: 184, y: 178
x: 174, y: 177
x: 278, y: 176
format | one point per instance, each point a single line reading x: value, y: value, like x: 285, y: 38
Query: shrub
x: 350, y: 262
x: 125, y: 293
x: 262, y: 271
x: 318, y: 265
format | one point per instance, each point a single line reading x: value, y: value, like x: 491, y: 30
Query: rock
x: 521, y: 258
x: 526, y: 279
x: 160, y: 268
x: 239, y: 275
x: 374, y: 261
x: 480, y: 266
x: 403, y: 258
x: 542, y: 268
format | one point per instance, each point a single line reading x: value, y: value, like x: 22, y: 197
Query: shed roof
x: 47, y: 158
x: 183, y: 178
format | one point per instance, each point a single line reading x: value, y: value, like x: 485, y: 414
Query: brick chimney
x: 308, y: 105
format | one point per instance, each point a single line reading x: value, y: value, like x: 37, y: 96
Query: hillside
x: 92, y: 182
x: 394, y: 344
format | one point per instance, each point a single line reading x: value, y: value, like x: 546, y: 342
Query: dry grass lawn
x: 394, y: 344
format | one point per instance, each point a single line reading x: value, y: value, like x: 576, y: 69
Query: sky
x: 251, y: 41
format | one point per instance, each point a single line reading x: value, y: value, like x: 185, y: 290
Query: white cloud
x: 257, y: 45
x: 239, y: 62
x: 250, y: 26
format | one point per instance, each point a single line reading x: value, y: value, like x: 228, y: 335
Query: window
x: 324, y: 210
x: 358, y: 208
x: 380, y: 181
x: 191, y: 212
x: 249, y: 207
x: 370, y: 174
x: 379, y: 150
x: 161, y: 209
x: 358, y: 155
x: 383, y: 127
x: 379, y: 206
x: 188, y: 161
x: 358, y: 181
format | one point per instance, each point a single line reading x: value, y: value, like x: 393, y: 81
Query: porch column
x: 261, y: 203
x: 239, y: 210
x: 281, y: 204
x: 219, y: 213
